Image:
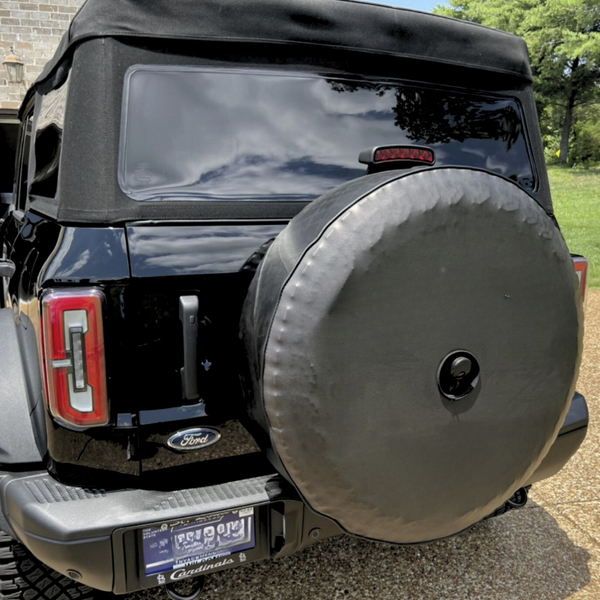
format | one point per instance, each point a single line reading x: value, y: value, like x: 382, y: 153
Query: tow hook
x: 181, y: 590
x: 517, y: 500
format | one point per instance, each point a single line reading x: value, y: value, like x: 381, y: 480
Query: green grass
x: 576, y: 197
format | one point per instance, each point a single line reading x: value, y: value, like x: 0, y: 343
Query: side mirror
x: 7, y: 268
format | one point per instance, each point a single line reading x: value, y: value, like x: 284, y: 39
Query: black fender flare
x: 18, y: 444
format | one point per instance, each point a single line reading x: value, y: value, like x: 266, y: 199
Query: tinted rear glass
x: 207, y: 134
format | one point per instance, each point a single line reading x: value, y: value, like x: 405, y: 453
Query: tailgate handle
x: 188, y: 315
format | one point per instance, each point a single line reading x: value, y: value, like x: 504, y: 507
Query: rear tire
x: 23, y: 577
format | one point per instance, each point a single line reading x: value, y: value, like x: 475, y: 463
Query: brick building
x: 33, y: 30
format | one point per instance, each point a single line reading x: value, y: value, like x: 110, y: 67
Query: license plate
x: 182, y: 547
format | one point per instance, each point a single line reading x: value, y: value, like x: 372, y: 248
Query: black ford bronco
x: 273, y: 272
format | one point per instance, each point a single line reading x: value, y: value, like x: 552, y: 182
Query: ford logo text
x: 194, y: 439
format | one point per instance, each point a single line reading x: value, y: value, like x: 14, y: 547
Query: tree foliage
x: 564, y: 43
x: 586, y: 144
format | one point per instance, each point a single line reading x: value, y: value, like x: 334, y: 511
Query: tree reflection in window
x: 430, y: 116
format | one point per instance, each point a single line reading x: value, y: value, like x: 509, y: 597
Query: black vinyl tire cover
x: 349, y: 316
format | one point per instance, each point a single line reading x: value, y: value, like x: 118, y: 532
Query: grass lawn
x: 576, y: 197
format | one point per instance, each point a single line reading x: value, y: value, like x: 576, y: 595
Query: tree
x: 564, y: 43
x: 586, y: 145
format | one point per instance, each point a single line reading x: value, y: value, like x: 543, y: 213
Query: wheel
x: 23, y: 577
x: 413, y: 345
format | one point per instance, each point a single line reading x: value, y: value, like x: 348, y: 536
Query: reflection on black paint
x: 194, y: 249
x: 92, y: 254
x: 255, y: 135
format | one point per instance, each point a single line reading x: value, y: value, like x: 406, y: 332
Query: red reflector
x: 404, y: 153
x: 581, y: 268
x: 74, y: 360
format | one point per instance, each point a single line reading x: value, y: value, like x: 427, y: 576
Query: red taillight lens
x: 581, y: 268
x: 404, y: 153
x: 74, y: 360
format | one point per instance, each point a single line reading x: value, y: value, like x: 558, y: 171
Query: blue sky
x: 426, y: 5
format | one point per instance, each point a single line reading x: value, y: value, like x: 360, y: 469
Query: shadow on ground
x: 522, y: 555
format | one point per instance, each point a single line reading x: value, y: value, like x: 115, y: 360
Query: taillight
x: 581, y: 268
x: 74, y: 360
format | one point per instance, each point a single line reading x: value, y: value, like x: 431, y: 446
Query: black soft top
x: 106, y: 37
x: 333, y: 23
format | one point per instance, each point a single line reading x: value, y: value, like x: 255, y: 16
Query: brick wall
x: 34, y: 30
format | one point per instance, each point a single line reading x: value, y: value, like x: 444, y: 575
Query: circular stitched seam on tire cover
x: 427, y: 264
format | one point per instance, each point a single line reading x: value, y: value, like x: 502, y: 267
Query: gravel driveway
x: 548, y: 550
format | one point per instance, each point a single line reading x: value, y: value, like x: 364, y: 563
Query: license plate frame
x: 186, y: 562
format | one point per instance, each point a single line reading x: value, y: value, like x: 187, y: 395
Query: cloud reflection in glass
x: 209, y: 134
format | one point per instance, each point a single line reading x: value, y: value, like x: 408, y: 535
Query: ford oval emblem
x: 194, y: 439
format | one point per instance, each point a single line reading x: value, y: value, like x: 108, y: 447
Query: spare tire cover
x: 349, y: 317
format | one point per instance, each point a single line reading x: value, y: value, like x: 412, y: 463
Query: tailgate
x: 184, y: 303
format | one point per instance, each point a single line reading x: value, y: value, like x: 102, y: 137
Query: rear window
x: 207, y: 134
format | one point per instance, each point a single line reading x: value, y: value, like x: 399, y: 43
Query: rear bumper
x: 571, y: 436
x: 97, y: 533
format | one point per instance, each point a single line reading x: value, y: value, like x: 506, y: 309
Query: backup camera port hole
x: 458, y: 375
